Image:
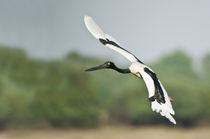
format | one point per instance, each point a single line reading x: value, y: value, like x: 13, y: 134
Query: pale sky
x: 148, y: 28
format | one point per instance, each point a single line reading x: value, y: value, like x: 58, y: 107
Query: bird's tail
x: 164, y: 110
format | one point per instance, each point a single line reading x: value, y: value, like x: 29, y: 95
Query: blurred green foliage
x: 59, y: 93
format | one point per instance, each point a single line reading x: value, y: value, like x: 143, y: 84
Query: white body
x: 136, y: 68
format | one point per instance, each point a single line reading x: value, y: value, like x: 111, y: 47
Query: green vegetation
x: 59, y: 93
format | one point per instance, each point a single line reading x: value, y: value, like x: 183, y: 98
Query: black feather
x: 159, y: 95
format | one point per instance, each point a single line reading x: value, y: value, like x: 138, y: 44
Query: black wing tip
x: 159, y: 95
x: 104, y: 42
x: 151, y: 99
x: 159, y: 99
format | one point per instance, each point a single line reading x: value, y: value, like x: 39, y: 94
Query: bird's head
x: 106, y: 65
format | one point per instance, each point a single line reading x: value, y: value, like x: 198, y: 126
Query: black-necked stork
x: 157, y: 94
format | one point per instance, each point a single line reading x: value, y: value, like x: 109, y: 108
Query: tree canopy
x: 59, y: 93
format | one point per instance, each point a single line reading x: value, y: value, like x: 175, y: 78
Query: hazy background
x: 51, y: 28
x: 45, y: 47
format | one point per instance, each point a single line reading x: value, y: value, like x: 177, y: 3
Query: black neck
x: 121, y: 70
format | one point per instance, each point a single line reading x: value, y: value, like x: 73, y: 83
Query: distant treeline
x: 60, y: 93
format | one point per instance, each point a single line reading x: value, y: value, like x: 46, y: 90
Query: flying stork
x: 160, y: 101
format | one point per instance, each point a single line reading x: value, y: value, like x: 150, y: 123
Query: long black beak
x: 103, y: 66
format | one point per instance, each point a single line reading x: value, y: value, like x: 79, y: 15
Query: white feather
x: 93, y: 28
x: 111, y: 39
x: 130, y: 57
x: 97, y: 32
x: 149, y: 83
x: 168, y: 102
x: 165, y: 109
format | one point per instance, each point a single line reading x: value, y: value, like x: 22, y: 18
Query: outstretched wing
x: 158, y: 95
x: 107, y: 40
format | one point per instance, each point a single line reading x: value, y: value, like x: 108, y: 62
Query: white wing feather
x: 96, y: 31
x: 149, y: 83
x: 165, y: 109
x: 93, y: 28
